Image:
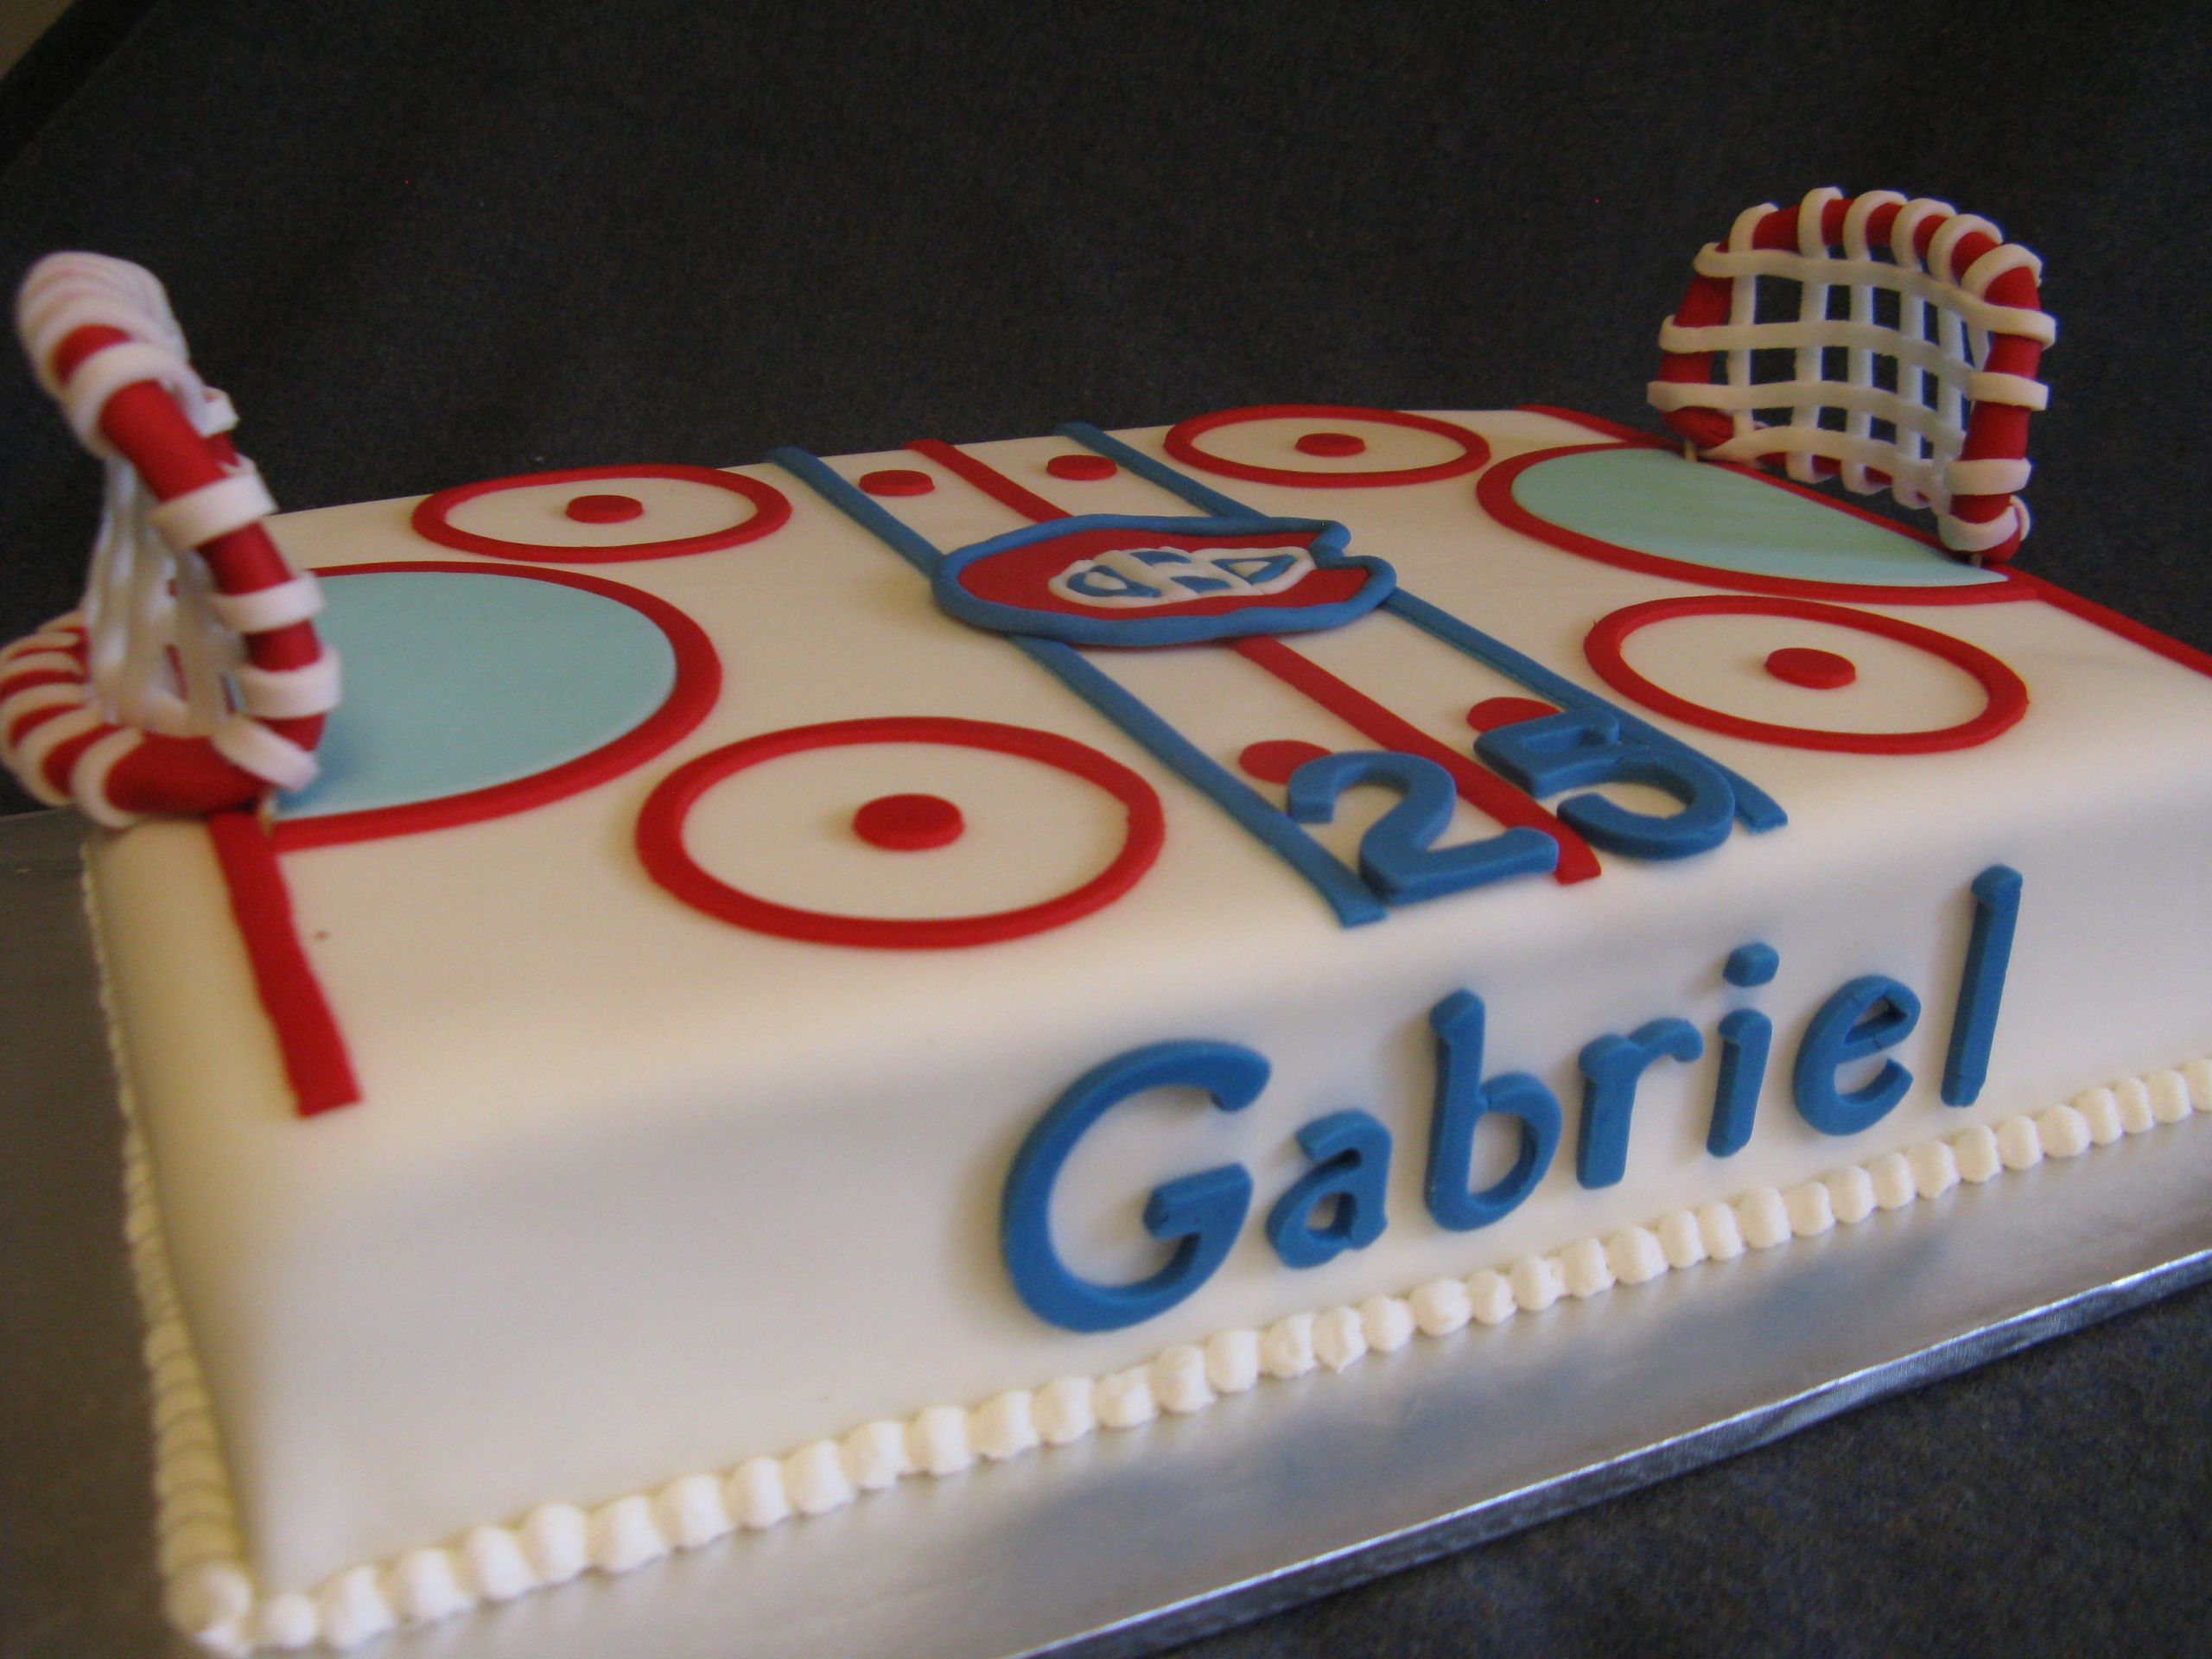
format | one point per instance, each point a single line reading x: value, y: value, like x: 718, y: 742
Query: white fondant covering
x: 634, y: 1196
x: 211, y: 1596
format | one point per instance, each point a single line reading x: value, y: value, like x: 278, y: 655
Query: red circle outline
x: 660, y: 835
x: 2006, y: 693
x: 1181, y: 444
x: 432, y: 518
x: 698, y: 684
x: 1494, y: 490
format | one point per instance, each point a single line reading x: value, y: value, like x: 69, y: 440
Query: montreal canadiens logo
x: 1147, y: 577
x: 1158, y: 582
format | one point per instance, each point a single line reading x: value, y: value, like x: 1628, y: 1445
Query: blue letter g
x: 1198, y: 1213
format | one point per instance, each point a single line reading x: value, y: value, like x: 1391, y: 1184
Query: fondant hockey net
x: 190, y: 679
x: 1891, y: 344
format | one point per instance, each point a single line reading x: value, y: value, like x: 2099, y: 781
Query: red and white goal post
x: 1931, y: 404
x: 190, y: 680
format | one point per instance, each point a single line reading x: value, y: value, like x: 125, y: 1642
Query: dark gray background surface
x: 423, y: 244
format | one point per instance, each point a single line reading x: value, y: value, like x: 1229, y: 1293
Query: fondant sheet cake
x: 841, y: 970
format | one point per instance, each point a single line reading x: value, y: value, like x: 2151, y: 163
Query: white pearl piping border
x: 210, y: 1597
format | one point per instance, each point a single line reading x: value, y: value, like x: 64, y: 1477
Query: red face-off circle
x: 1182, y: 445
x: 433, y: 517
x: 2005, y: 695
x: 669, y: 862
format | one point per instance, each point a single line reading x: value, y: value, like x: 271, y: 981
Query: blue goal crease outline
x: 1324, y: 540
x: 1347, y: 896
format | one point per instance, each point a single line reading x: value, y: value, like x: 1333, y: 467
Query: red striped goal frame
x: 1958, y: 411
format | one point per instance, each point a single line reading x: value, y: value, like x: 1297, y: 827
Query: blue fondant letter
x: 1463, y: 1099
x: 1989, y: 953
x: 1751, y: 964
x: 1745, y: 1036
x: 1200, y: 1214
x: 1871, y: 1014
x: 1352, y: 1172
x: 1612, y: 1067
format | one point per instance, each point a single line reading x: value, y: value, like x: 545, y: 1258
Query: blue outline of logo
x: 1326, y: 547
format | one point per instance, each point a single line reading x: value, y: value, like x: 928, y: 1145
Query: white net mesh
x: 1863, y: 359
x: 164, y: 651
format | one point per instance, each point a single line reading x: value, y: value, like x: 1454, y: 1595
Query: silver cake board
x: 1127, y: 1542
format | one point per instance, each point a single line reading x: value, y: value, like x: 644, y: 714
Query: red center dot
x: 1273, y: 761
x: 1493, y: 712
x: 897, y: 480
x: 908, y: 824
x: 1816, y: 670
x: 1080, y: 469
x: 1332, y: 446
x: 604, y: 509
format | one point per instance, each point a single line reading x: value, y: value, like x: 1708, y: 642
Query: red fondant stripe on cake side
x: 698, y: 683
x: 1482, y: 789
x: 307, y: 1038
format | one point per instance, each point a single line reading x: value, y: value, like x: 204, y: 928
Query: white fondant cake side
x: 632, y: 1191
x: 211, y: 1597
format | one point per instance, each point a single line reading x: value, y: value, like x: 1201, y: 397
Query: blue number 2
x: 1398, y: 856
